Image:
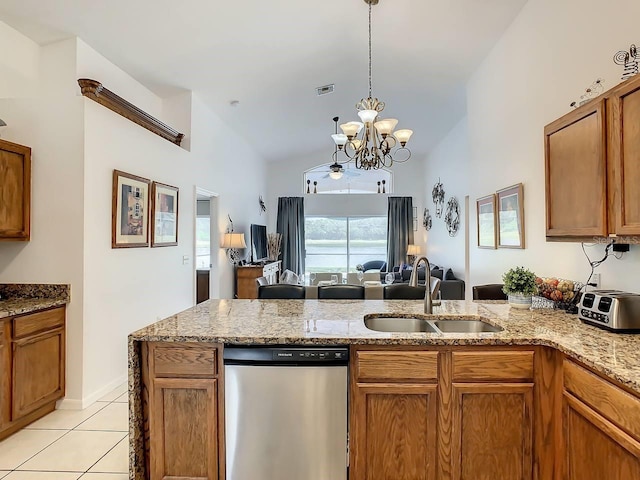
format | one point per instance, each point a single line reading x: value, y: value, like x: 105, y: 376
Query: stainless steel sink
x: 398, y: 324
x: 465, y: 326
x: 415, y: 324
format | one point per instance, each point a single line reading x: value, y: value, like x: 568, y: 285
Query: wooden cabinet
x: 246, y: 275
x: 202, y: 285
x: 15, y: 191
x: 184, y: 411
x: 447, y: 413
x: 601, y: 427
x: 32, y: 356
x: 592, y: 165
x: 393, y: 418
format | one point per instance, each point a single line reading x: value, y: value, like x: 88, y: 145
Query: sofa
x: 451, y: 287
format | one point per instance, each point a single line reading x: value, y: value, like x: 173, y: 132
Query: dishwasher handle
x: 290, y: 356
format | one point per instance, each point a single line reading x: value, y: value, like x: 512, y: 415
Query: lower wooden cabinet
x: 184, y: 411
x: 32, y: 361
x: 393, y: 431
x: 595, y: 448
x: 38, y: 371
x: 492, y: 434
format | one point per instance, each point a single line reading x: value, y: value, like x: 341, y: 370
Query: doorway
x: 206, y: 245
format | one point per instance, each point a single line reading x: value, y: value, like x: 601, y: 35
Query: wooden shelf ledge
x: 97, y: 92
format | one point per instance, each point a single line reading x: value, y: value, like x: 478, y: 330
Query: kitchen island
x: 527, y: 363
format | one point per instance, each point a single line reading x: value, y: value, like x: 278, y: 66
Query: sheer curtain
x: 290, y: 225
x: 399, y: 230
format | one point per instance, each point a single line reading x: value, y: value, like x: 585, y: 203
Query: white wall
x: 545, y: 60
x: 449, y: 162
x: 129, y: 288
x: 49, y: 120
x: 285, y: 179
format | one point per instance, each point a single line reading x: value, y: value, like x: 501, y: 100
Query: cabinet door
x: 5, y: 373
x: 183, y: 424
x: 624, y: 147
x: 393, y: 432
x: 492, y: 431
x: 575, y: 173
x: 15, y: 191
x: 38, y: 371
x: 595, y: 448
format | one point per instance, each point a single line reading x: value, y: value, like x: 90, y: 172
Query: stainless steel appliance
x: 286, y: 413
x: 611, y: 309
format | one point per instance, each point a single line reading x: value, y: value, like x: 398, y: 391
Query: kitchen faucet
x: 413, y: 281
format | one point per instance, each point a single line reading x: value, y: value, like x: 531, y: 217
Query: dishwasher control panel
x: 294, y: 355
x: 285, y: 355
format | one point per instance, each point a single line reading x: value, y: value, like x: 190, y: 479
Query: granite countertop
x: 334, y: 322
x: 21, y: 298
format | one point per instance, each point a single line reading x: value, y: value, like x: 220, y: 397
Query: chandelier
x: 371, y: 143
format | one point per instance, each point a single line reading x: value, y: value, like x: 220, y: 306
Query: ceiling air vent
x: 325, y: 90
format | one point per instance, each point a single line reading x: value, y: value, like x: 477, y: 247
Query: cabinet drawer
x: 611, y: 402
x: 397, y: 365
x: 184, y: 360
x: 32, y: 323
x: 511, y: 365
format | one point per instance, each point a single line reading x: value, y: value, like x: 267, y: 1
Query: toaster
x: 611, y: 309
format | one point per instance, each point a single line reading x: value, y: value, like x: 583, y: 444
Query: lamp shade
x: 386, y: 126
x: 340, y: 139
x: 233, y: 240
x: 403, y: 136
x: 367, y: 116
x: 351, y: 129
x: 413, y: 249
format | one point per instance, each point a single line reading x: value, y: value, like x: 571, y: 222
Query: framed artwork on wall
x: 510, y: 205
x: 164, y: 215
x: 129, y: 211
x: 486, y: 215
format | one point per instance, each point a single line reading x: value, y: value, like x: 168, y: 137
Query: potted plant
x: 519, y: 285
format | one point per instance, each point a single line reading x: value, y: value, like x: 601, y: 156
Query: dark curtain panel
x: 399, y: 230
x: 291, y: 226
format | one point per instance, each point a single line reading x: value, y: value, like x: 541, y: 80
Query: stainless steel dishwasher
x: 286, y: 413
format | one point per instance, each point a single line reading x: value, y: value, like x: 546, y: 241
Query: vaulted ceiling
x: 271, y: 55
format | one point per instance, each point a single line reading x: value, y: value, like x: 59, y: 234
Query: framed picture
x: 129, y: 211
x: 486, y: 211
x: 511, y: 217
x: 164, y: 215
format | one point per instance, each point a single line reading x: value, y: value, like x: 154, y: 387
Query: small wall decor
x: 452, y: 216
x: 427, y: 221
x: 511, y: 217
x: 592, y: 91
x: 629, y: 60
x: 486, y: 216
x: 437, y: 194
x: 263, y: 206
x: 415, y: 219
x: 129, y: 211
x: 164, y: 215
x: 273, y: 245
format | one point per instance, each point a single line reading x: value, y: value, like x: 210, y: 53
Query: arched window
x: 349, y: 180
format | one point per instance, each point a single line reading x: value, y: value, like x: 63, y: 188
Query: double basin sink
x: 389, y: 323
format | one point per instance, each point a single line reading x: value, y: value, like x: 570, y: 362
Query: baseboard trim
x: 81, y: 404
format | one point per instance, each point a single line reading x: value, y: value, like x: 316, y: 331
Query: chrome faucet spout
x: 413, y: 281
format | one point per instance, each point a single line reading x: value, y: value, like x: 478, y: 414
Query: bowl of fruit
x: 555, y: 292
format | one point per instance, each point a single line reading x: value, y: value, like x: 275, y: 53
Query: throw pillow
x: 437, y: 272
x: 449, y: 275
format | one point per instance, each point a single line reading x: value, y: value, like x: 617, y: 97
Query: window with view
x: 338, y: 244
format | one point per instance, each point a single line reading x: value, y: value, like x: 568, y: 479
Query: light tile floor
x: 89, y: 444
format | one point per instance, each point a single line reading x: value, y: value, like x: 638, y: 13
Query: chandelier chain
x: 370, y: 89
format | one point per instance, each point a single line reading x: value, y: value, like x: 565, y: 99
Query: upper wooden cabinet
x: 15, y: 191
x: 592, y: 163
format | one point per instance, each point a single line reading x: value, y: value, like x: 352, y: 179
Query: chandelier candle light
x: 369, y: 143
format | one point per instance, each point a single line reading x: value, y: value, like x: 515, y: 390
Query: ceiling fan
x: 337, y: 170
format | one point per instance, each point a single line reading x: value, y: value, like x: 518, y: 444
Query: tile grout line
x: 107, y: 453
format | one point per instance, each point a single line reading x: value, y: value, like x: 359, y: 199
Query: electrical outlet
x: 595, y: 279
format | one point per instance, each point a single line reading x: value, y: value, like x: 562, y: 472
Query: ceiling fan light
x: 340, y: 139
x: 336, y: 175
x: 367, y: 116
x: 386, y: 126
x: 403, y: 136
x: 351, y: 129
